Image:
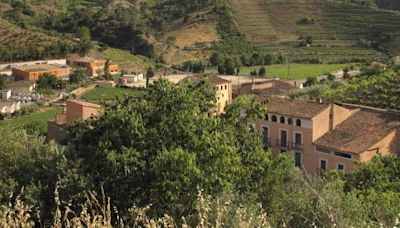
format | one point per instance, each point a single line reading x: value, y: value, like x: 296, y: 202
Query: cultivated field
x: 37, y: 120
x: 336, y: 26
x: 297, y: 71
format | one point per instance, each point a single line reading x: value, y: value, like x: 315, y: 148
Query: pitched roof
x: 294, y: 108
x: 84, y: 103
x: 268, y: 88
x: 21, y: 83
x: 360, y: 131
x: 216, y: 80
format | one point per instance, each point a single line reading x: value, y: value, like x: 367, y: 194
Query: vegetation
x: 297, y: 71
x: 379, y: 91
x: 33, y: 122
x: 160, y: 150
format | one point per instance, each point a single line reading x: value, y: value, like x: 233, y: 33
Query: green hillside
x: 335, y: 27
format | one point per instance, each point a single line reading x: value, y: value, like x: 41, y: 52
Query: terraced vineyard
x: 336, y: 27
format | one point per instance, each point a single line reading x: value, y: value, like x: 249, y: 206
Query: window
x: 290, y: 121
x: 283, y: 151
x: 222, y: 87
x: 283, y: 138
x: 323, y: 164
x: 298, y: 123
x: 282, y: 120
x: 222, y: 95
x: 266, y: 117
x: 297, y: 159
x: 341, y: 154
x: 274, y: 119
x: 323, y: 150
x: 265, y: 136
x: 340, y: 166
x: 226, y: 87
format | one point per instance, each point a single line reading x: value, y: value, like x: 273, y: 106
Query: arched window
x: 274, y: 119
x: 266, y: 117
x: 282, y: 120
x: 298, y: 122
x: 290, y: 121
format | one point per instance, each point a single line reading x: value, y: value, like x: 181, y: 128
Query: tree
x: 229, y: 66
x: 78, y: 75
x: 310, y: 81
x: 47, y: 81
x: 168, y: 133
x: 149, y: 74
x: 3, y: 81
x: 85, y: 43
x: 221, y: 69
x: 216, y: 59
x: 107, y: 74
x: 262, y: 71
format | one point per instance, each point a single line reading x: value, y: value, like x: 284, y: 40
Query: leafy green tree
x: 106, y: 70
x: 47, y: 81
x: 229, y: 66
x: 262, y: 71
x: 170, y: 146
x: 28, y: 166
x: 78, y: 75
x: 3, y: 81
x: 310, y: 81
x: 216, y: 59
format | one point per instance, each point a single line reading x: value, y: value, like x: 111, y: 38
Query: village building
x: 75, y: 110
x: 127, y: 79
x: 323, y: 136
x: 33, y: 72
x: 21, y: 87
x: 6, y: 68
x: 95, y: 67
x: 5, y: 94
x: 273, y: 87
x: 9, y: 106
x: 222, y: 88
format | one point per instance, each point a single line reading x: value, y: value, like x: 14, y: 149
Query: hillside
x: 335, y: 27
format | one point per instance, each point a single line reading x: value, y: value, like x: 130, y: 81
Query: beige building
x: 324, y: 136
x: 222, y: 88
x: 75, y: 110
x: 21, y: 87
x: 33, y: 72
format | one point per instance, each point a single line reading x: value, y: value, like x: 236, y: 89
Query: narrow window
x: 323, y: 164
x: 265, y: 136
x: 226, y: 87
x: 266, y: 117
x: 298, y: 122
x: 297, y: 159
x: 290, y: 121
x: 274, y: 119
x: 282, y: 120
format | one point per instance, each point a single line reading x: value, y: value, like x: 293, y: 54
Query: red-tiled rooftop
x: 216, y: 80
x: 361, y: 131
x: 294, y: 108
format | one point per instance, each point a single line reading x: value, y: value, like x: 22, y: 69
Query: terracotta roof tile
x: 360, y: 131
x: 294, y: 108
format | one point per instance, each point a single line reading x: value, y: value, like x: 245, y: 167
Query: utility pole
x: 289, y: 64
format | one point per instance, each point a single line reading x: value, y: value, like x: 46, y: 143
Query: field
x: 37, y: 120
x: 336, y: 27
x: 104, y: 94
x: 297, y: 71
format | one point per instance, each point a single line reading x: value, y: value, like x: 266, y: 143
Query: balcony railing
x: 297, y: 146
x: 282, y: 143
x: 267, y: 141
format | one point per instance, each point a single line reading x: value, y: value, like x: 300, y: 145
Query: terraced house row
x: 323, y: 136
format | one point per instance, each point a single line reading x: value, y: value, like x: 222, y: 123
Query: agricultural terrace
x: 98, y: 95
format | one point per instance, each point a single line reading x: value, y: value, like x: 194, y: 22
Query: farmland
x: 336, y: 27
x: 37, y: 120
x: 297, y: 71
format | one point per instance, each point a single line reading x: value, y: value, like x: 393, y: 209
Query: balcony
x: 282, y: 143
x: 297, y: 146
